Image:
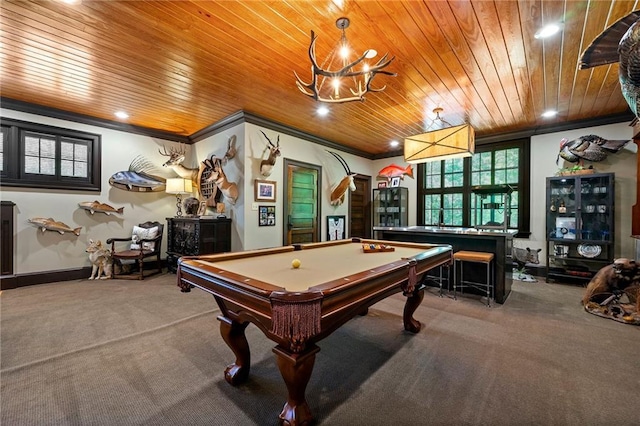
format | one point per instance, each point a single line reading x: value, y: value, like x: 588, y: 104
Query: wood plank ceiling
x: 180, y: 66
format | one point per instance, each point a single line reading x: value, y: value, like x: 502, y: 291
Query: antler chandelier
x: 349, y: 83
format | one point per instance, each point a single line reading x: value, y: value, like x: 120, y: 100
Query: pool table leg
x: 413, y: 301
x: 233, y: 334
x: 296, y: 369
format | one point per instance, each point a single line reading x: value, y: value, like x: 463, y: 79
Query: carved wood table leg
x: 296, y: 371
x: 233, y: 334
x: 413, y: 301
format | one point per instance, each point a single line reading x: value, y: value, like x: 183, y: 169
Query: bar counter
x: 498, y: 242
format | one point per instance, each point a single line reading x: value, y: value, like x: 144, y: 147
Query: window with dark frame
x: 445, y: 197
x: 40, y: 156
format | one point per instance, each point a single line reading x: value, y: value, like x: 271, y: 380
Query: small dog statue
x: 100, y: 258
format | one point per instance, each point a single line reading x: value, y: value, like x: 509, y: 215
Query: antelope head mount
x: 266, y: 166
x: 338, y: 193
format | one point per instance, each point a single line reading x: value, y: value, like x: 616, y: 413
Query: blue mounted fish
x: 137, y: 178
x: 619, y: 43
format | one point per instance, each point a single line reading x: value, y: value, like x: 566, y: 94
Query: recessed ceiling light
x: 549, y: 113
x: 121, y: 114
x: 394, y: 144
x: 547, y: 31
x: 322, y: 111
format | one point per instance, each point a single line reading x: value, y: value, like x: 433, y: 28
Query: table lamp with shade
x: 178, y: 186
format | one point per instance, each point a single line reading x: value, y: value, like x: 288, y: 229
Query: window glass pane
x: 47, y: 166
x: 81, y: 152
x: 513, y: 157
x: 512, y: 176
x: 66, y: 151
x: 499, y: 177
x: 66, y: 168
x: 475, y: 178
x: 500, y: 159
x: 48, y: 148
x: 77, y: 154
x: 80, y: 170
x: 485, y: 161
x: 475, y: 162
x: 485, y: 178
x: 458, y: 179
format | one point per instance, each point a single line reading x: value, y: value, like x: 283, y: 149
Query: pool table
x: 297, y: 307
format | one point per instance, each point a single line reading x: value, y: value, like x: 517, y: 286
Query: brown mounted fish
x: 49, y: 224
x: 97, y: 206
x: 619, y: 43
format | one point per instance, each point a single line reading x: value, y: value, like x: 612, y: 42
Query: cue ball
x: 295, y: 263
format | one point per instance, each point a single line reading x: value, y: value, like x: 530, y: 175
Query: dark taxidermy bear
x: 619, y: 43
x: 604, y: 292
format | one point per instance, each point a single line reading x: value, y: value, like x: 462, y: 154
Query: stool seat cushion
x: 473, y: 256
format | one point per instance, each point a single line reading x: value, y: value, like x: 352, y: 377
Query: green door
x: 302, y: 203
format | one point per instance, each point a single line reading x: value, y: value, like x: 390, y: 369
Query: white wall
x: 299, y: 150
x: 36, y: 251
x: 50, y: 251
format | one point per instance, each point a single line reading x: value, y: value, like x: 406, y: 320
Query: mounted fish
x: 392, y: 171
x: 590, y: 147
x: 49, y: 224
x: 97, y: 206
x: 137, y: 178
x: 338, y: 193
x: 619, y: 43
x: 266, y: 166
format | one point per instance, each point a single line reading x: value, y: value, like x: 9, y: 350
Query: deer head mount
x: 176, y: 158
x: 361, y: 79
x: 266, y: 166
x: 338, y: 193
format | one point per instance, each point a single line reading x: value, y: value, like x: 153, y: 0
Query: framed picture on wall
x: 265, y: 190
x: 395, y: 182
x: 266, y: 216
x: 335, y: 228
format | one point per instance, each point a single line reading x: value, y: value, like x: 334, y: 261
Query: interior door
x: 302, y: 202
x: 360, y: 208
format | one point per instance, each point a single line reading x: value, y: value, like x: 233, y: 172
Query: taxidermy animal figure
x: 176, y: 158
x: 137, y: 178
x: 100, y: 258
x: 228, y: 189
x: 589, y: 147
x: 524, y: 256
x: 231, y: 149
x: 97, y: 206
x: 266, y: 166
x: 619, y: 43
x: 51, y: 225
x: 393, y: 170
x: 338, y: 193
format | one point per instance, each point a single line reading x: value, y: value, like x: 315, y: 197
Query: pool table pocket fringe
x: 295, y: 321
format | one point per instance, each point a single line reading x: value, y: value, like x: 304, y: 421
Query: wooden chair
x: 142, y: 243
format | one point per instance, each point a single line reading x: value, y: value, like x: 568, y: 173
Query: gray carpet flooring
x: 119, y: 352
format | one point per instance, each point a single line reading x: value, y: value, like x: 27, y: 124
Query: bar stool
x: 474, y: 257
x: 440, y: 279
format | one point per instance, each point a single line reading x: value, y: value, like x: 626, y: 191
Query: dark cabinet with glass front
x: 580, y: 225
x: 390, y: 207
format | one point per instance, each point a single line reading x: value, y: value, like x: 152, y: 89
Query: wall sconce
x: 179, y: 186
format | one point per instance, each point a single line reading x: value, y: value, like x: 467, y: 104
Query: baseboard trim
x: 8, y: 282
